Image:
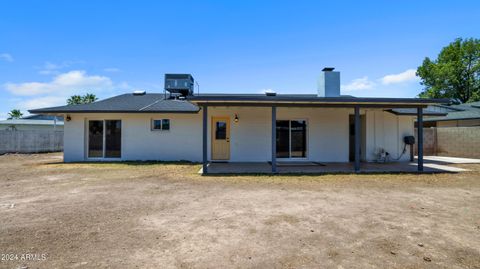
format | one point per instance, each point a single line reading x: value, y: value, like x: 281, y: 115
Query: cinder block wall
x: 23, y: 141
x: 458, y: 141
x: 429, y: 141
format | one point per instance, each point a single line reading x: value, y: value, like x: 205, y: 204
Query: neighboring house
x: 463, y: 115
x: 179, y: 125
x: 33, y: 122
x: 31, y: 134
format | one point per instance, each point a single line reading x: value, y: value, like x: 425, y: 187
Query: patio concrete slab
x: 238, y: 168
x: 299, y: 168
x: 445, y: 168
x: 444, y: 159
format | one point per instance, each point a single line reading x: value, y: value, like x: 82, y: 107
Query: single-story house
x: 33, y: 123
x: 237, y: 128
x: 461, y: 115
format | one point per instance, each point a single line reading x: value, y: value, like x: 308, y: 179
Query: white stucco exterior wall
x: 74, y: 139
x: 182, y: 142
x: 327, y: 131
x: 250, y: 138
x: 386, y: 130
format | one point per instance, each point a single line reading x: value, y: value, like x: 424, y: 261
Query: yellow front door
x: 220, y: 138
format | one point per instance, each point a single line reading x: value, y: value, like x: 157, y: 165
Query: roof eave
x: 425, y: 113
x: 333, y: 101
x: 452, y: 119
x: 57, y: 112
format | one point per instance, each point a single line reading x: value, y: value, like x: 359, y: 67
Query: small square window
x: 161, y: 125
x: 165, y: 124
x: 156, y: 124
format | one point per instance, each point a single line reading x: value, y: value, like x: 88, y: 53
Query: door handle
x: 228, y: 139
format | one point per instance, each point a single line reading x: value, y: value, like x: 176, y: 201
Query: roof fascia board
x: 321, y: 100
x: 50, y: 112
x: 429, y: 114
x: 290, y: 104
x: 434, y: 119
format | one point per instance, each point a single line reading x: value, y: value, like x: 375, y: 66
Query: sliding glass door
x: 298, y: 139
x: 95, y: 139
x: 113, y: 138
x: 291, y: 138
x: 104, y: 138
x: 283, y: 139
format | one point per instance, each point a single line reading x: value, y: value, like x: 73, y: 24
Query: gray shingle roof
x: 156, y: 102
x: 43, y: 117
x: 148, y: 103
x: 459, y: 112
x: 413, y: 112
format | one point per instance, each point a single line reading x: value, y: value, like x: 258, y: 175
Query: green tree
x: 75, y: 100
x: 455, y: 73
x: 15, y: 114
x: 85, y: 99
x: 89, y: 98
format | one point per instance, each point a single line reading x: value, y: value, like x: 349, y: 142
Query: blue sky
x: 50, y: 50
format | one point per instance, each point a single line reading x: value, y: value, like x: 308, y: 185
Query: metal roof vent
x: 139, y: 92
x: 270, y: 93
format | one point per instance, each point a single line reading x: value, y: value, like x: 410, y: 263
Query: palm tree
x: 89, y: 98
x: 15, y: 114
x: 86, y: 99
x: 75, y: 100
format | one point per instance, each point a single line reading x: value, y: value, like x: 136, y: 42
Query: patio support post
x: 357, y: 139
x: 420, y: 138
x: 274, y: 139
x: 204, y: 136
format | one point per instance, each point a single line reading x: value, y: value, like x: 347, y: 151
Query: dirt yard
x: 55, y: 215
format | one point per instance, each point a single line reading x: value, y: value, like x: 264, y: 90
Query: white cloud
x: 111, y: 70
x: 264, y: 91
x: 46, y: 101
x: 373, y: 86
x: 50, y: 68
x: 30, y: 95
x: 406, y: 76
x: 6, y: 57
x: 66, y: 83
x: 359, y: 84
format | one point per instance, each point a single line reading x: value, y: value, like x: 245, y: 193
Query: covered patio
x: 401, y: 105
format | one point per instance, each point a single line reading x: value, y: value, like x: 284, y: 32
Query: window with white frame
x: 104, y: 139
x: 160, y: 124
